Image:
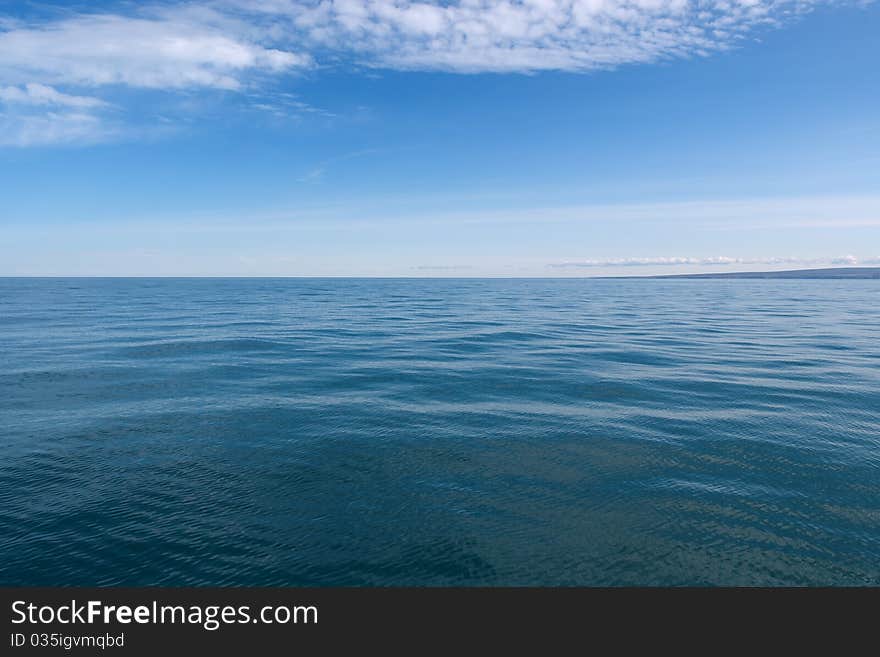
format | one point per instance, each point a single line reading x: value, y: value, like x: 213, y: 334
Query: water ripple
x: 380, y: 432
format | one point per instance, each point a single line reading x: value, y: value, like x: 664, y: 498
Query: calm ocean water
x: 439, y: 432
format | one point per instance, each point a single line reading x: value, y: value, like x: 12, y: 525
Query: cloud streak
x: 847, y: 260
x: 54, y: 127
x: 42, y: 95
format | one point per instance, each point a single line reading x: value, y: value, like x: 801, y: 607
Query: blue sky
x: 463, y: 138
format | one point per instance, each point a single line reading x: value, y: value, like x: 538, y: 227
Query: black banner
x: 154, y: 621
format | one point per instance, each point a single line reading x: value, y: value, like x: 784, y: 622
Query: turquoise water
x: 439, y: 432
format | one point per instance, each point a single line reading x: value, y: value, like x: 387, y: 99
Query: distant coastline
x: 830, y: 272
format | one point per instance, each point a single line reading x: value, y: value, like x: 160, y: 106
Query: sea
x: 439, y: 432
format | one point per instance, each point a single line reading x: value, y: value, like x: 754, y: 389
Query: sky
x: 455, y: 138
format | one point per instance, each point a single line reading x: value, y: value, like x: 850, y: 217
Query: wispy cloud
x: 709, y: 216
x: 316, y: 174
x: 287, y: 106
x: 313, y: 176
x: 847, y: 260
x: 36, y: 114
x: 43, y: 95
x: 442, y: 267
x: 54, y: 127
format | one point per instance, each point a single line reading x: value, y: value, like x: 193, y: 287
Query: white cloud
x: 53, y: 127
x: 161, y: 48
x: 235, y: 44
x: 40, y: 94
x: 849, y: 260
x: 166, y: 50
x: 217, y: 43
x: 520, y: 35
x: 286, y: 106
x: 38, y: 115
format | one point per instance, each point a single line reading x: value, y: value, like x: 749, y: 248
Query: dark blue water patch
x: 439, y: 432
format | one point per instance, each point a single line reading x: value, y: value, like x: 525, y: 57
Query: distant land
x: 830, y: 272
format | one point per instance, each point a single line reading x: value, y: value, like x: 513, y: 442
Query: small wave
x: 178, y: 348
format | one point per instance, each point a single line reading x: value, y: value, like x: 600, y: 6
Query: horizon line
x: 706, y: 275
